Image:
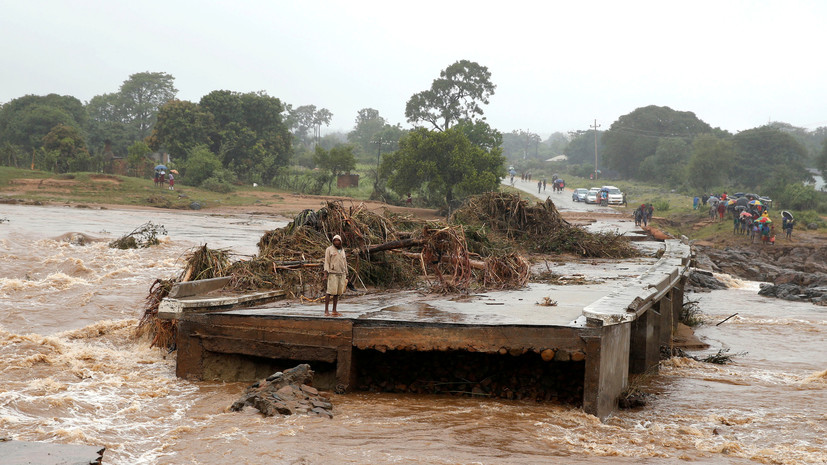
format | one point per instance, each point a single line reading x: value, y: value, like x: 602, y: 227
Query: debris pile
x: 145, y: 235
x: 286, y: 393
x: 481, y: 247
x: 539, y: 228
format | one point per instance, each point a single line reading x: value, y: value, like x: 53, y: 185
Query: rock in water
x: 286, y: 393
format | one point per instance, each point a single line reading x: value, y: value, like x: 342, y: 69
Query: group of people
x: 643, y: 214
x: 163, y: 178
x: 749, y: 218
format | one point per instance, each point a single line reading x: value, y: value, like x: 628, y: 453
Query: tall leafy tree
x: 635, y: 136
x: 580, y: 150
x: 301, y: 120
x: 68, y: 147
x: 334, y: 162
x: 668, y: 163
x: 765, y: 152
x: 251, y: 138
x: 710, y: 161
x: 142, y: 96
x: 368, y: 124
x: 521, y: 145
x: 26, y: 120
x: 182, y: 125
x: 444, y: 166
x: 457, y: 94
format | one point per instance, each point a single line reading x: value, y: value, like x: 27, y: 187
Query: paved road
x: 607, y: 218
x: 562, y: 200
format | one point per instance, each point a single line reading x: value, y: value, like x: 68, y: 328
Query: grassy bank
x: 96, y: 188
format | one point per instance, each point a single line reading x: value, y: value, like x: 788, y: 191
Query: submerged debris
x: 286, y: 393
x: 145, y: 235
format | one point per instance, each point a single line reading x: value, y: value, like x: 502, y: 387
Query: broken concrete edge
x: 631, y: 301
x: 47, y: 453
x: 171, y: 309
x: 197, y: 287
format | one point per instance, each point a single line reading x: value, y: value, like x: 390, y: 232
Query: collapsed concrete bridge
x: 580, y: 350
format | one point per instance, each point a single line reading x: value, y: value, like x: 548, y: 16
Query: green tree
x: 580, y: 149
x: 67, y: 143
x: 710, y: 161
x: 303, y: 119
x: 368, y: 125
x: 201, y: 164
x: 669, y: 162
x: 444, y: 166
x: 334, y: 162
x: 557, y: 143
x: 521, y: 145
x: 821, y: 161
x: 251, y: 139
x: 764, y: 153
x: 142, y: 95
x: 182, y: 126
x: 138, y: 158
x: 457, y: 94
x: 635, y: 136
x: 26, y: 120
x: 797, y: 196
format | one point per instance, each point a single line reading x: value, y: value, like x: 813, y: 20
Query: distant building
x: 558, y: 158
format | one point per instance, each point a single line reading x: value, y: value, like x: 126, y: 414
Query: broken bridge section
x: 498, y: 344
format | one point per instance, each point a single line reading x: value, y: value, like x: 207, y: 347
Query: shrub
x: 217, y: 185
x: 661, y: 205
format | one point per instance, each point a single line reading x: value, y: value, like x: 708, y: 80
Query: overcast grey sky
x: 557, y: 65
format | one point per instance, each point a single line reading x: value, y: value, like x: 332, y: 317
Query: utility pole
x: 595, y: 147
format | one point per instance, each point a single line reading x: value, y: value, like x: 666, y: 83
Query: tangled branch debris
x: 145, y: 235
x: 540, y: 228
x: 478, y: 249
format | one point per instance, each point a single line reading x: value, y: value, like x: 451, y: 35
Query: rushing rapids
x: 73, y: 372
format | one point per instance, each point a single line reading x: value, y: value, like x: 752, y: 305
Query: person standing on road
x: 539, y: 186
x: 788, y: 231
x: 335, y: 273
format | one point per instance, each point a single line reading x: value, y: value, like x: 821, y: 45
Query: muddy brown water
x: 71, y: 371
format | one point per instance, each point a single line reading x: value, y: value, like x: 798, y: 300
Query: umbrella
x: 743, y: 214
x: 756, y: 203
x: 764, y: 219
x: 173, y: 171
x: 713, y: 199
x: 787, y: 214
x: 731, y: 202
x: 160, y: 167
x: 742, y: 201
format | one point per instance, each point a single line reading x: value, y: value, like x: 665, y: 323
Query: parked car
x: 591, y: 196
x: 615, y: 196
x: 579, y: 195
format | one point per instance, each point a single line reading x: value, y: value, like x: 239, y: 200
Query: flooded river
x: 71, y: 371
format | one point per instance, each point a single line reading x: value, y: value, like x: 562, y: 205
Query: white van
x: 615, y: 196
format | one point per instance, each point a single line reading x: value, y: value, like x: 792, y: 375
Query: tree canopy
x: 442, y: 166
x: 767, y: 151
x: 128, y: 115
x: 334, y: 162
x: 635, y: 136
x: 245, y: 131
x: 26, y: 120
x: 457, y: 94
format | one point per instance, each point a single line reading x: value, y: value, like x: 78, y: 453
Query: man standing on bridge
x: 335, y: 273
